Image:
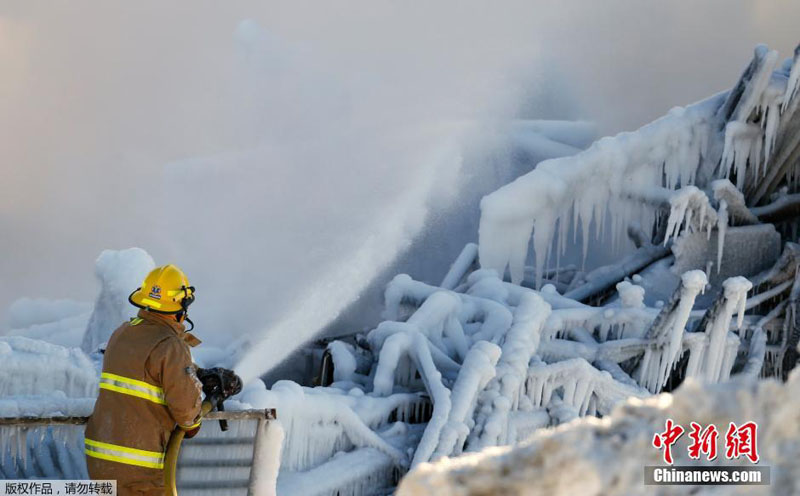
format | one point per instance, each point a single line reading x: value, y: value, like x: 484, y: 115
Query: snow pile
x: 574, y: 459
x: 119, y: 273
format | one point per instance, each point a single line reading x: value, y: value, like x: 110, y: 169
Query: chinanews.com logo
x: 740, y: 443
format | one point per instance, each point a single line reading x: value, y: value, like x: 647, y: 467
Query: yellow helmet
x: 165, y: 290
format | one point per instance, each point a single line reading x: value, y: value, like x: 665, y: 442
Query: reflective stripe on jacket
x: 125, y: 385
x: 122, y: 454
x: 148, y: 385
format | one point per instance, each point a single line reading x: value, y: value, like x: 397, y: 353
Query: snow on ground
x: 607, y: 456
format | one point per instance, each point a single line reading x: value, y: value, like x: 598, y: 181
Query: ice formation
x: 119, y: 272
x: 39, y: 379
x: 621, y: 178
x: 570, y: 193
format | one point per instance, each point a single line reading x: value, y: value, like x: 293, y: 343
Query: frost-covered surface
x: 43, y: 379
x: 606, y: 456
x: 39, y: 379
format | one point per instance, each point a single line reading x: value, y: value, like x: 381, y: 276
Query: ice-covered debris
x: 689, y: 207
x: 569, y: 193
x: 582, y: 387
x: 31, y: 368
x: 736, y: 289
x: 363, y: 471
x: 793, y: 85
x: 320, y: 422
x: 748, y: 250
x: 760, y: 80
x: 344, y: 360
x: 119, y: 273
x: 503, y: 393
x: 574, y: 459
x: 712, y: 356
x: 770, y: 108
x: 476, y: 372
x: 668, y: 330
x: 39, y: 379
x: 630, y: 295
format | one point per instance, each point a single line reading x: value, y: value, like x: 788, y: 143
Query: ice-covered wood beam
x: 785, y: 208
x: 606, y: 277
x: 790, y: 352
x: 786, y: 161
x: 667, y: 332
x: 738, y: 213
x: 784, y: 268
x: 787, y: 142
x: 463, y: 263
x: 637, y: 235
x: 692, y: 283
x: 755, y: 355
x: 740, y: 101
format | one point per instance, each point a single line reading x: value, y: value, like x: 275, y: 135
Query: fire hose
x: 218, y: 385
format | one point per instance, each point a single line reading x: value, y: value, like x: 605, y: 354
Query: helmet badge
x: 155, y: 292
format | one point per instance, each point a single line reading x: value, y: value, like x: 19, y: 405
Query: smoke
x: 284, y: 153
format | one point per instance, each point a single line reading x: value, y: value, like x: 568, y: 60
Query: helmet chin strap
x: 182, y: 317
x: 185, y: 302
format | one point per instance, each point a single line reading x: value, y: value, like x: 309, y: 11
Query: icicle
x: 722, y: 229
x: 742, y: 143
x: 793, y: 85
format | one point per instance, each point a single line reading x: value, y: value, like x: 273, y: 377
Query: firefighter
x: 148, y: 387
